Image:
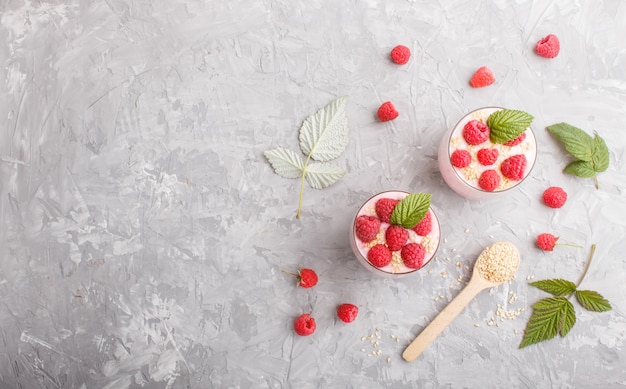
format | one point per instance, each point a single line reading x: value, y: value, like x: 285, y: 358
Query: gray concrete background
x: 143, y: 233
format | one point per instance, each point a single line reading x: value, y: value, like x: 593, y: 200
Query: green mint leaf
x: 592, y: 301
x: 576, y: 141
x: 507, y: 124
x: 321, y: 175
x: 599, y: 154
x: 582, y: 169
x: 551, y: 316
x: 285, y: 162
x: 324, y: 135
x: 556, y: 287
x: 411, y: 210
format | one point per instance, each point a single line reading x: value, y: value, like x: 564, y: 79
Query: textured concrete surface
x: 143, y: 233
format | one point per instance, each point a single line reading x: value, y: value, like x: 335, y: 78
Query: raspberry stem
x: 287, y: 272
x: 569, y: 244
x: 582, y: 276
x: 301, y: 191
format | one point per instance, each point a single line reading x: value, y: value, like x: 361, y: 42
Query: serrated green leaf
x: 556, y: 287
x: 592, y: 301
x: 551, y: 316
x: 599, y: 154
x: 507, y: 124
x: 576, y: 141
x: 580, y: 169
x: 321, y: 175
x: 286, y: 163
x: 324, y: 135
x: 411, y: 210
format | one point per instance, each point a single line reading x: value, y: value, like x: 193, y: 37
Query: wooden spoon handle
x: 442, y: 320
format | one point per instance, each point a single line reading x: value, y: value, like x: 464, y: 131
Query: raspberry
x: 489, y: 180
x: 304, y: 325
x: 483, y: 77
x: 347, y: 312
x: 307, y: 278
x: 516, y: 141
x: 554, y: 197
x: 379, y: 255
x: 487, y: 157
x: 387, y: 112
x: 400, y: 54
x: 425, y: 225
x: 413, y: 255
x: 366, y: 228
x: 513, y: 167
x: 461, y: 158
x: 475, y: 132
x: 396, y: 237
x: 384, y: 208
x: 548, y: 47
x: 546, y: 241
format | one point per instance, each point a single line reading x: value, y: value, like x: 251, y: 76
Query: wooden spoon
x: 496, y: 264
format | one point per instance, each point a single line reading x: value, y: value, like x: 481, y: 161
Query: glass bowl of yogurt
x: 389, y: 246
x: 476, y: 167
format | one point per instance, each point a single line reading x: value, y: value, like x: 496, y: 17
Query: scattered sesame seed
x: 363, y: 350
x: 444, y: 274
x: 466, y: 230
x: 453, y: 250
x: 476, y: 325
x: 459, y: 264
x: 445, y: 240
x: 388, y: 359
x: 430, y: 271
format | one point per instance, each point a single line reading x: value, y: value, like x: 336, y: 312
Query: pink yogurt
x: 396, y: 268
x: 464, y: 181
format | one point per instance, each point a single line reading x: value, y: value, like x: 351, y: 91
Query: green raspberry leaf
x: 507, y: 124
x: 411, y: 210
x: 576, y: 141
x: 592, y: 301
x: 584, y: 169
x: 599, y: 154
x: 551, y: 316
x: 556, y: 287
